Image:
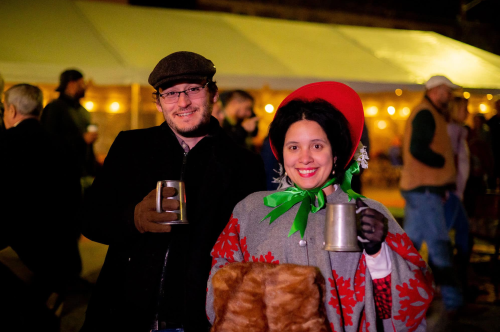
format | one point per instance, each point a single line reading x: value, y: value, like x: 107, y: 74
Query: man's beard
x: 198, y: 130
x: 79, y: 94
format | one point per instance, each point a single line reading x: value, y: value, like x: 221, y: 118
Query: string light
x: 115, y: 107
x: 382, y: 124
x: 466, y: 95
x: 391, y: 110
x: 269, y: 108
x: 398, y: 92
x: 89, y: 106
x: 372, y: 111
x: 404, y: 112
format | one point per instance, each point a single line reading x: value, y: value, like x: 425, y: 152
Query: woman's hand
x: 372, y: 227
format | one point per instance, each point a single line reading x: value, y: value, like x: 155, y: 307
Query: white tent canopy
x: 121, y: 44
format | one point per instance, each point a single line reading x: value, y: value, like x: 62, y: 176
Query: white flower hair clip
x: 283, y: 180
x: 361, y: 156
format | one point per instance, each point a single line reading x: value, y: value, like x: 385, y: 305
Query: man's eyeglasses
x: 193, y: 93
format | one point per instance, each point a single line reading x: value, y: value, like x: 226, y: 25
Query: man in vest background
x: 427, y: 176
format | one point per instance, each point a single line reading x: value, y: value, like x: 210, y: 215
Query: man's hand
x: 146, y: 218
x: 90, y: 137
x: 372, y: 227
x: 250, y: 124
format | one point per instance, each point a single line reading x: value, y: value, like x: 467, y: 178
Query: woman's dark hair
x: 326, y: 115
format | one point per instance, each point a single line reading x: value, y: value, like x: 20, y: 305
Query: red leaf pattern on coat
x: 359, y: 279
x: 269, y: 258
x: 419, y: 289
x: 342, y: 296
x: 415, y: 298
x: 402, y: 245
x: 227, y: 243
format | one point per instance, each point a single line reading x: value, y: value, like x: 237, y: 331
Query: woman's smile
x: 307, y: 172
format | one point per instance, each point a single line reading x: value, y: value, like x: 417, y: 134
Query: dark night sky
x: 425, y: 10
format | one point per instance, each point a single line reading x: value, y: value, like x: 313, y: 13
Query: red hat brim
x: 345, y: 99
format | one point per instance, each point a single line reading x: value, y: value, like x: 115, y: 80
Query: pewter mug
x: 340, y: 228
x: 180, y: 196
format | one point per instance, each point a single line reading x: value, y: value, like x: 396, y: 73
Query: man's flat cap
x: 180, y: 66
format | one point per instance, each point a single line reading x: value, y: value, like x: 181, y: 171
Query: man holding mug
x: 66, y: 118
x: 154, y: 276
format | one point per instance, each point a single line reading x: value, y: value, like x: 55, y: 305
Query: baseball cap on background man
x: 67, y: 76
x: 181, y: 66
x: 438, y: 80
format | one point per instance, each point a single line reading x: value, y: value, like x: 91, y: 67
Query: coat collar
x: 29, y: 123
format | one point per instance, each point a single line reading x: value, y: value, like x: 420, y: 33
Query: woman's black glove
x: 372, y: 227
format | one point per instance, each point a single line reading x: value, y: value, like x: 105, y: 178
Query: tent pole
x: 134, y: 105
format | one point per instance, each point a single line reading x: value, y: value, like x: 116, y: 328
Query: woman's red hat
x: 342, y: 97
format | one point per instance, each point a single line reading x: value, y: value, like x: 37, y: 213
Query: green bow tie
x: 283, y: 201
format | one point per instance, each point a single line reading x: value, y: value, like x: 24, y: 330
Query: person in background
x: 494, y: 124
x: 68, y: 119
x: 458, y: 136
x: 154, y: 275
x: 455, y: 214
x: 271, y: 165
x: 218, y: 112
x: 481, y: 163
x: 427, y: 178
x: 2, y: 126
x: 394, y: 152
x: 39, y: 197
x: 240, y: 122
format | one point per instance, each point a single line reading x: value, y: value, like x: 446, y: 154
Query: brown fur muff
x: 261, y: 297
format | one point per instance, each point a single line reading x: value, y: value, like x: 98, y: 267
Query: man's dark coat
x: 67, y: 119
x: 217, y: 175
x: 39, y: 198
